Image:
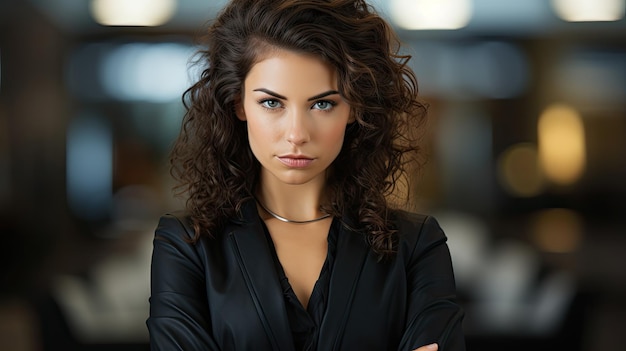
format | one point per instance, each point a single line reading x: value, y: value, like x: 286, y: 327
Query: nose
x: 298, y: 131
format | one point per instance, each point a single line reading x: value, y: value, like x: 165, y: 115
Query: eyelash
x: 263, y: 102
x: 329, y: 102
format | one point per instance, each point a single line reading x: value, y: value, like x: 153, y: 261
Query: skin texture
x: 293, y: 132
x: 296, y: 121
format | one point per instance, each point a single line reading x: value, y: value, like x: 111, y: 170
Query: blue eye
x: 323, y: 105
x: 270, y: 104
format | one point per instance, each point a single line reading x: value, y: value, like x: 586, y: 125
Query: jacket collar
x: 254, y: 257
x: 352, y: 251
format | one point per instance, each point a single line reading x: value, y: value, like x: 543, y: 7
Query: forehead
x: 291, y: 73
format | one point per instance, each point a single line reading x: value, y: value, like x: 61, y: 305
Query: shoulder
x: 416, y: 233
x: 174, y: 226
x: 177, y: 229
x: 408, y: 223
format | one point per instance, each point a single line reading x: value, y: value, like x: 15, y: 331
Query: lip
x: 295, y: 161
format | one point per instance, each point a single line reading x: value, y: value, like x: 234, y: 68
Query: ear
x: 239, y: 111
x: 352, y: 117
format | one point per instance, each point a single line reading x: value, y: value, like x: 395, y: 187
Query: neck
x: 295, y: 202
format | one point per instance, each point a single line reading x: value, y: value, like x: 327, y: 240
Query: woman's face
x: 295, y: 115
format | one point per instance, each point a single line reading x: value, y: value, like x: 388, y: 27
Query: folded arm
x: 179, y: 314
x: 433, y: 315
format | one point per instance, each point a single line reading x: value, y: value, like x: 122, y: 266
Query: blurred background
x: 527, y: 174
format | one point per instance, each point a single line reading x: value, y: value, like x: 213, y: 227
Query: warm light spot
x: 561, y: 144
x: 519, y: 172
x: 557, y: 230
x: 132, y: 12
x: 431, y: 14
x: 589, y: 10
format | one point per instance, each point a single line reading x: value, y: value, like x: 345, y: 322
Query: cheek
x: 334, y: 138
x: 261, y: 137
x: 258, y: 129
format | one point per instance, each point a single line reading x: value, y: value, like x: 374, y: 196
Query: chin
x: 296, y: 179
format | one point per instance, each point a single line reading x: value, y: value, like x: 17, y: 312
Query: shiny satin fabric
x: 224, y: 293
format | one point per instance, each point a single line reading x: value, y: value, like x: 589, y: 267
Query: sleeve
x: 179, y: 312
x: 433, y: 314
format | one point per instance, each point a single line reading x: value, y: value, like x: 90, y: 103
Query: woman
x: 294, y: 138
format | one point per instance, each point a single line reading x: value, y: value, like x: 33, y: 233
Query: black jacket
x: 224, y: 293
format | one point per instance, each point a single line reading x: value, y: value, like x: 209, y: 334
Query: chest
x: 367, y: 300
x: 301, y: 251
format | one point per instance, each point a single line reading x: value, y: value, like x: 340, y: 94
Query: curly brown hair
x: 212, y: 160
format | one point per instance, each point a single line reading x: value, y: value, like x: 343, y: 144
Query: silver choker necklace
x: 286, y: 220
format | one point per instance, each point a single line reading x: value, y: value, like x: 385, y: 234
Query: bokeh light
x: 89, y: 167
x: 589, y: 10
x: 557, y: 230
x: 561, y: 136
x: 431, y: 14
x: 132, y: 13
x: 146, y: 72
x: 519, y: 172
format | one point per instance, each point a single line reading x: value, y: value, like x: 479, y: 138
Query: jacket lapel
x: 253, y: 255
x: 352, y: 251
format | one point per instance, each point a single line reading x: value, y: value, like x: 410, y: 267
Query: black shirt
x: 305, y: 323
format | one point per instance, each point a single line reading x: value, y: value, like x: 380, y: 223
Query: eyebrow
x: 318, y: 96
